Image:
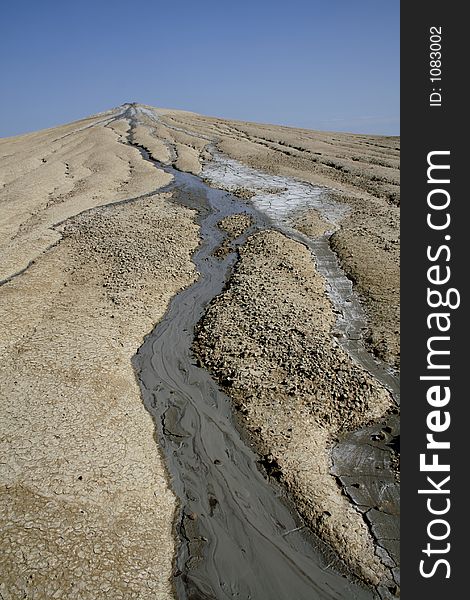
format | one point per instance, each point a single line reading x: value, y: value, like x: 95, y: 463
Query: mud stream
x: 239, y: 537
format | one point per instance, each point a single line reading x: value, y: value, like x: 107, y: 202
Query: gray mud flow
x: 238, y: 537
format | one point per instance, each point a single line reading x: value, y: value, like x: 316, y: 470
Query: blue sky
x: 330, y: 65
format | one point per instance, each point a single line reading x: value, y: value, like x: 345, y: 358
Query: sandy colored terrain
x: 369, y: 250
x: 363, y: 173
x: 84, y: 502
x: 170, y: 144
x: 52, y: 175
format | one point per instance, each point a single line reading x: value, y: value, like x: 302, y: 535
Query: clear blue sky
x: 321, y: 64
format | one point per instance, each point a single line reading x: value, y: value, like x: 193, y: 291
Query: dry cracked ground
x: 92, y: 251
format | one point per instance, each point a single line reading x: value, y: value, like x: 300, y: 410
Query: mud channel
x: 238, y: 534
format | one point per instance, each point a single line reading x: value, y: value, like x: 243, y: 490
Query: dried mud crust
x: 363, y: 170
x: 85, y: 506
x: 312, y: 224
x: 84, y: 499
x: 236, y: 224
x: 266, y: 339
x: 170, y: 145
x: 337, y: 160
x: 54, y: 174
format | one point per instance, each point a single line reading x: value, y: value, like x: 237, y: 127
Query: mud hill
x: 97, y: 235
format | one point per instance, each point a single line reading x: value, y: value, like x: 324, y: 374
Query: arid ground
x: 93, y: 247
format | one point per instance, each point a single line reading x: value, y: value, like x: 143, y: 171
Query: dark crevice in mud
x: 271, y: 466
x: 240, y: 537
x: 30, y: 264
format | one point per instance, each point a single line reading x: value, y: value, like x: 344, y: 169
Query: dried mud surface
x: 361, y: 171
x: 85, y: 506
